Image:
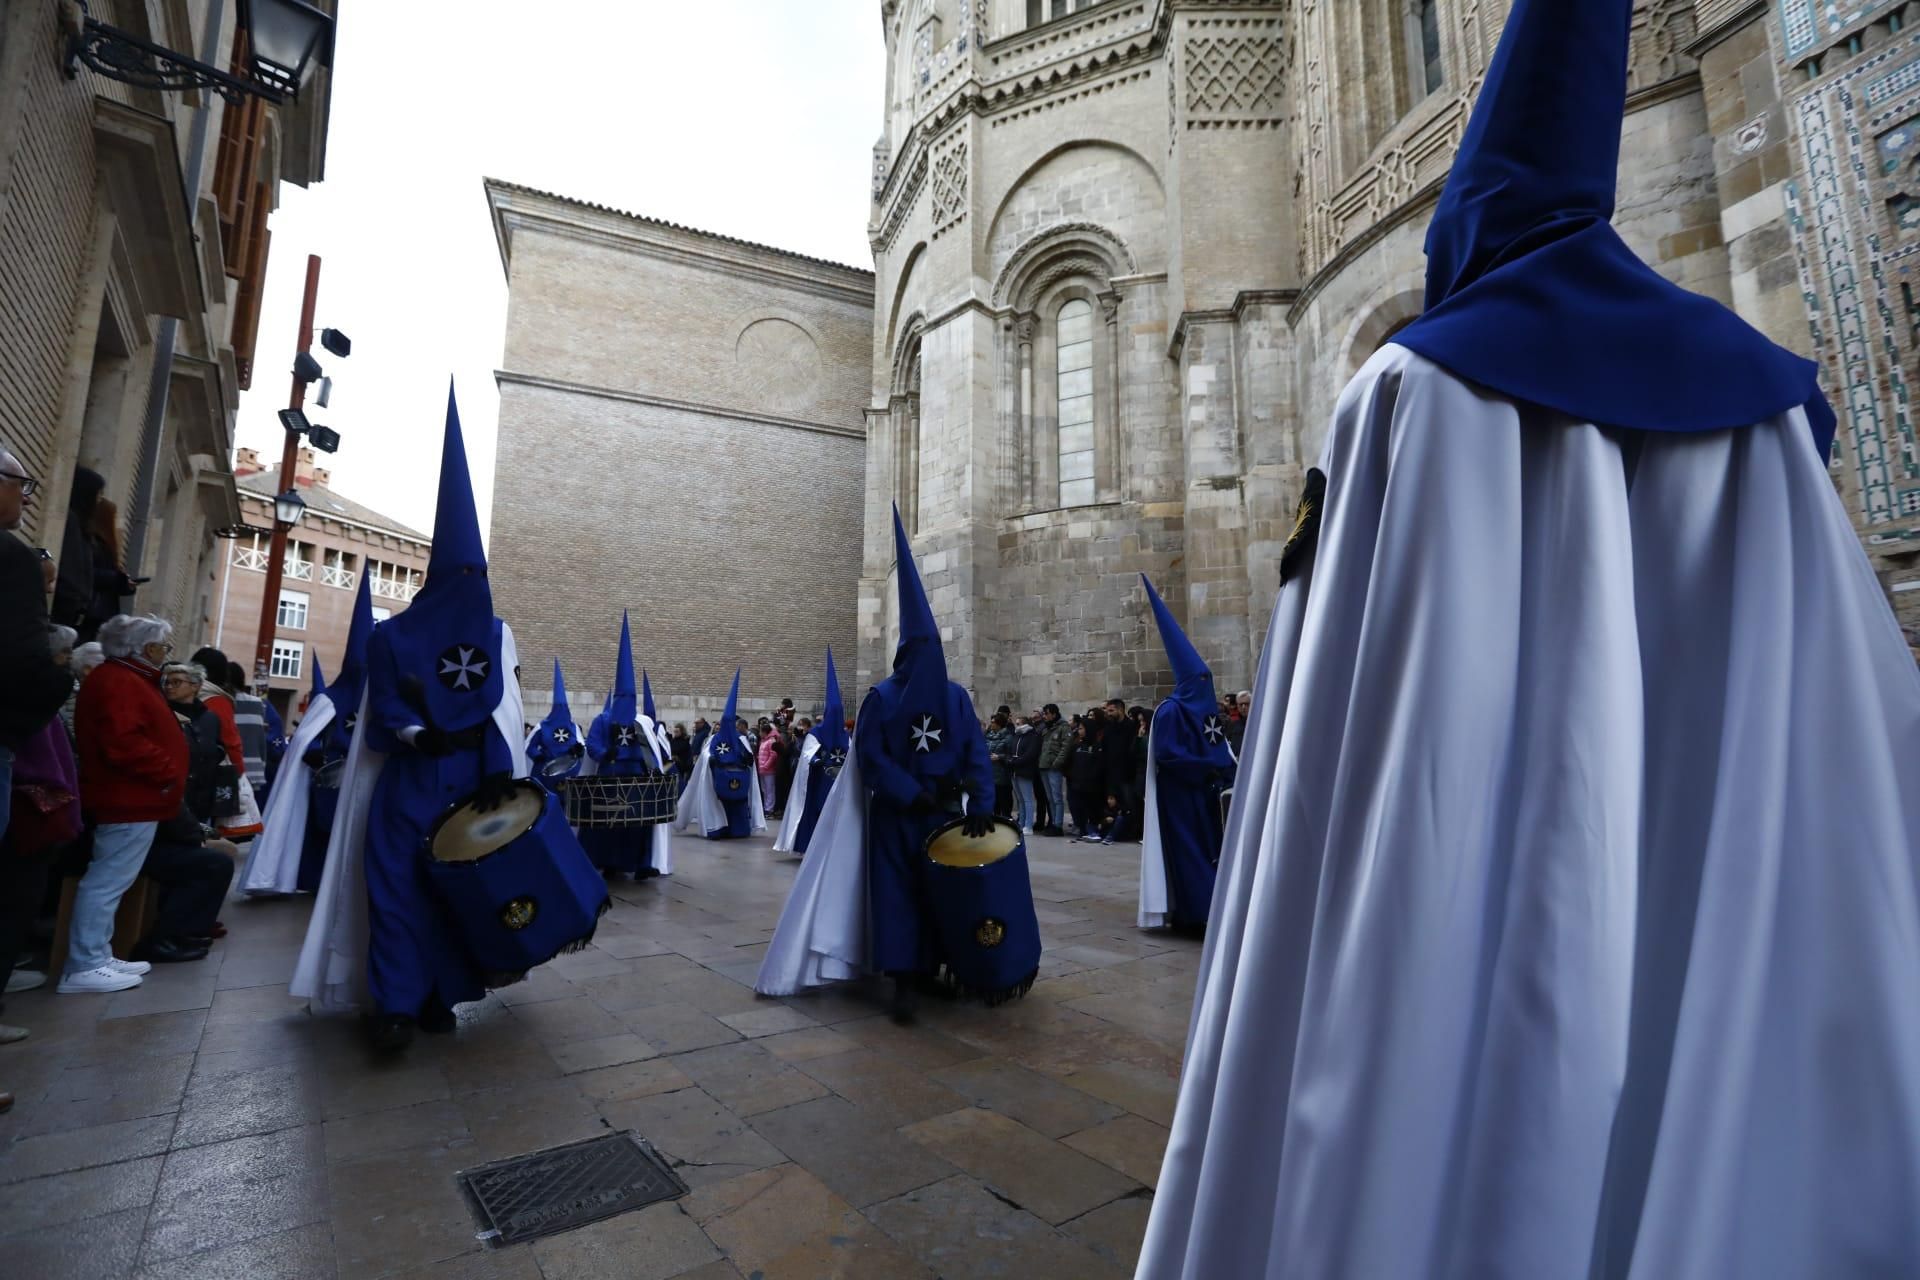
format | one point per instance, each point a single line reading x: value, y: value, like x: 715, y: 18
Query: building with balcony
x: 133, y: 254
x: 327, y: 552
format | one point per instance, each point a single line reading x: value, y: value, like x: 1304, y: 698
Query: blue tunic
x: 901, y: 913
x: 822, y: 770
x: 730, y: 770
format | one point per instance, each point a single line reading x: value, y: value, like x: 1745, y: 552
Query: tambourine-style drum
x: 606, y: 801
x: 983, y: 909
x: 520, y: 888
x: 557, y: 767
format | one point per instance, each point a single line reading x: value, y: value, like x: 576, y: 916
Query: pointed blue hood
x: 319, y: 685
x: 646, y: 699
x: 1192, y: 680
x: 1531, y: 292
x: 623, y: 707
x: 725, y: 734
x: 446, y: 644
x: 350, y: 681
x: 915, y: 699
x: 560, y: 713
x: 831, y: 732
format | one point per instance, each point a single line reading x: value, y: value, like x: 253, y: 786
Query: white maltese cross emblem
x: 926, y: 733
x: 463, y: 668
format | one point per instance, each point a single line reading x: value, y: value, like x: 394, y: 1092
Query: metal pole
x: 153, y: 429
x: 289, y: 459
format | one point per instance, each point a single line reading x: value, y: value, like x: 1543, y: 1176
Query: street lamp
x: 289, y: 507
x: 286, y: 38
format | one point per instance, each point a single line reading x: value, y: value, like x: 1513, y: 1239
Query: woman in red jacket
x: 133, y: 776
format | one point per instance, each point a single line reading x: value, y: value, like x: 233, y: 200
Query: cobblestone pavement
x: 205, y: 1126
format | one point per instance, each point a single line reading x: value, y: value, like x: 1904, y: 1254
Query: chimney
x: 303, y: 468
x: 322, y: 477
x: 246, y: 462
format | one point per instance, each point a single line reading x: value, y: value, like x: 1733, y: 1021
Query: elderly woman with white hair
x: 133, y: 776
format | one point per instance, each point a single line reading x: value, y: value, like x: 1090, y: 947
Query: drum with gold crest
x: 516, y: 881
x: 983, y: 909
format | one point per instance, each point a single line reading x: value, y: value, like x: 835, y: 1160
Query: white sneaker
x: 25, y: 980
x: 105, y: 978
x: 138, y: 968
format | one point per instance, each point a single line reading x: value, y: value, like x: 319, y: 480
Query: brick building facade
x: 336, y: 542
x: 133, y: 223
x: 680, y: 435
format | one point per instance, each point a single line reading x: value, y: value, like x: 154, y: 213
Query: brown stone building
x: 133, y: 251
x: 680, y: 435
x: 327, y: 552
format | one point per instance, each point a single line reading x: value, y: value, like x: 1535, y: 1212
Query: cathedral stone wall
x: 688, y: 409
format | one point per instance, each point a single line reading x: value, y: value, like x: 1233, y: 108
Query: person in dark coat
x: 73, y: 593
x: 35, y: 686
x: 1117, y: 733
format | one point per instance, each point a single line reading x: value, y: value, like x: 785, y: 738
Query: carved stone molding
x: 948, y: 178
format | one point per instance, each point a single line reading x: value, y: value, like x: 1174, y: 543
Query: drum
x: 983, y: 909
x: 604, y: 801
x: 557, y: 767
x: 516, y: 881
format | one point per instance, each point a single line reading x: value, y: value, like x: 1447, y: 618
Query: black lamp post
x: 289, y: 508
x: 286, y: 38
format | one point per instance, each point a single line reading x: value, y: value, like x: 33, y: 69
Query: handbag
x: 245, y: 820
x: 43, y: 818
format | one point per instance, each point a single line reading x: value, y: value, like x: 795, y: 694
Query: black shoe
x: 168, y: 951
x: 391, y: 1032
x: 906, y: 998
x: 195, y: 940
x: 438, y: 1020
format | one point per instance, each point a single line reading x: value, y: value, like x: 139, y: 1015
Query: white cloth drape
x: 822, y: 934
x: 1154, y: 904
x: 273, y: 865
x: 1567, y: 920
x: 797, y: 797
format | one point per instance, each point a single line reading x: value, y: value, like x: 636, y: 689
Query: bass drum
x: 517, y: 883
x: 983, y: 909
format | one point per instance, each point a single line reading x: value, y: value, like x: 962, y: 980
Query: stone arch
x: 1089, y: 182
x: 909, y: 267
x: 1378, y: 323
x: 1058, y: 251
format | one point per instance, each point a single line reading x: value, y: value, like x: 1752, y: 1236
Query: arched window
x: 1039, y: 11
x: 1430, y: 70
x: 1073, y: 330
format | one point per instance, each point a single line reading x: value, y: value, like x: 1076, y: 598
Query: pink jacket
x: 769, y: 752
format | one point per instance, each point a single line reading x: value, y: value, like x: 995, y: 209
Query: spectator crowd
x: 118, y: 765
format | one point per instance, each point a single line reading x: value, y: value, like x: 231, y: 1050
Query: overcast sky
x: 752, y: 118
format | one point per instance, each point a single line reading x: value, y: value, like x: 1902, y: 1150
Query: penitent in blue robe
x: 905, y: 938
x: 1192, y: 767
x: 416, y: 955
x: 621, y: 751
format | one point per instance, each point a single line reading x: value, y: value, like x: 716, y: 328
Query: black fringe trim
x: 494, y: 981
x: 989, y: 998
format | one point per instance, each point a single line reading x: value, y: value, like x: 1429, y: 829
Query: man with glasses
x: 36, y: 686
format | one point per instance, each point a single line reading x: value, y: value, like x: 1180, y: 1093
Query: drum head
x: 464, y: 834
x: 558, y: 766
x: 950, y: 845
x: 328, y: 775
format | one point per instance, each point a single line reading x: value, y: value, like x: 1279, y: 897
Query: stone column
x: 1023, y: 330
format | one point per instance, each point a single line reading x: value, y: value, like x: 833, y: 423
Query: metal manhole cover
x: 565, y: 1187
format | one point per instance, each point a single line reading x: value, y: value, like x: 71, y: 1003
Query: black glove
x: 576, y: 751
x: 977, y: 825
x: 432, y: 742
x: 495, y: 790
x: 924, y: 803
x: 313, y: 758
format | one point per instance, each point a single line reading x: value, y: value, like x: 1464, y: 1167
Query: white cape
x: 796, y: 797
x: 1570, y: 878
x: 822, y: 934
x: 331, y: 974
x: 700, y: 808
x: 273, y: 866
x: 662, y: 832
x: 1154, y: 902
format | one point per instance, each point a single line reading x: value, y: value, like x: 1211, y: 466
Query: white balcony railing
x: 253, y: 558
x: 299, y: 570
x: 334, y: 575
x: 394, y: 590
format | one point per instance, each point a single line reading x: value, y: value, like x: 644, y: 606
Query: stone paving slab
x: 206, y: 1126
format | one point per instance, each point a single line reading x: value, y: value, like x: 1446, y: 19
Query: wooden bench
x: 139, y: 908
